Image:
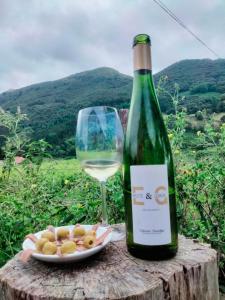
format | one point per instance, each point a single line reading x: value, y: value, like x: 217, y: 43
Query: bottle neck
x: 142, y: 57
x: 143, y: 81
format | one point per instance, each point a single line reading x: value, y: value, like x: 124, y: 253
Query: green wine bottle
x: 149, y: 187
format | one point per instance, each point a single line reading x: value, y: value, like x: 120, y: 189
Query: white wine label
x: 150, y: 205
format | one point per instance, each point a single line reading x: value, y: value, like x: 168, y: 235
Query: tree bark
x: 115, y: 274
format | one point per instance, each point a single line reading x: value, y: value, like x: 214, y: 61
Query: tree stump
x: 115, y: 274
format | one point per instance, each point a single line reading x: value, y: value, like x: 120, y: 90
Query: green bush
x: 199, y: 115
x: 200, y: 182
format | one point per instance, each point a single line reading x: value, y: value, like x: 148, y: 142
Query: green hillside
x: 201, y: 81
x: 52, y: 106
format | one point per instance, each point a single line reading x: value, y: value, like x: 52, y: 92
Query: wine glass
x: 99, y: 146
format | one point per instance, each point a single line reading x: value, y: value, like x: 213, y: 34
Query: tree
x: 199, y: 88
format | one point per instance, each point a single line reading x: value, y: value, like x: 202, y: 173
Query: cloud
x: 45, y: 40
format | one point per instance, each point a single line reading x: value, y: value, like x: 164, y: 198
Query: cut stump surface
x: 115, y: 274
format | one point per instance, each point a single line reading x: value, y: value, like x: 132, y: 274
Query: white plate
x: 77, y: 256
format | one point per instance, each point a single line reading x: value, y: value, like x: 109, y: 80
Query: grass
x: 54, y: 170
x: 60, y: 167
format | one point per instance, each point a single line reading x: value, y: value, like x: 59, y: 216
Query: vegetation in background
x: 51, y: 104
x: 14, y: 138
x: 200, y: 178
x: 39, y: 191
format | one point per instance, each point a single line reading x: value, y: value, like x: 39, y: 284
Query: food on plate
x: 68, y: 247
x: 63, y: 241
x: 79, y: 231
x: 63, y: 233
x: 39, y: 244
x: 48, y: 235
x: 49, y: 248
x: 102, y: 237
x: 91, y: 232
x: 89, y: 241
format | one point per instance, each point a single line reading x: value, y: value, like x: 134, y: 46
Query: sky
x: 42, y: 40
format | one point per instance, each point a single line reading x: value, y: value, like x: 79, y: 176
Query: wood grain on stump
x: 115, y: 274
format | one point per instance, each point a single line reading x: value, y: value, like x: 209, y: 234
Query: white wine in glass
x: 99, y: 146
x: 101, y: 169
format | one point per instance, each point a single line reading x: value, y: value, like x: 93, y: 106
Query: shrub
x: 200, y: 182
x: 199, y: 115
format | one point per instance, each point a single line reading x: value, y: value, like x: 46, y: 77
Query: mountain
x: 201, y: 81
x: 52, y: 106
x: 191, y: 71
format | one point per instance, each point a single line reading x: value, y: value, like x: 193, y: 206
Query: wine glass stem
x: 104, y: 204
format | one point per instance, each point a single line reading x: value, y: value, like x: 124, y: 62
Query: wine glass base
x: 117, y: 235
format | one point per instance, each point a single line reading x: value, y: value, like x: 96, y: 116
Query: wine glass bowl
x: 99, y: 145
